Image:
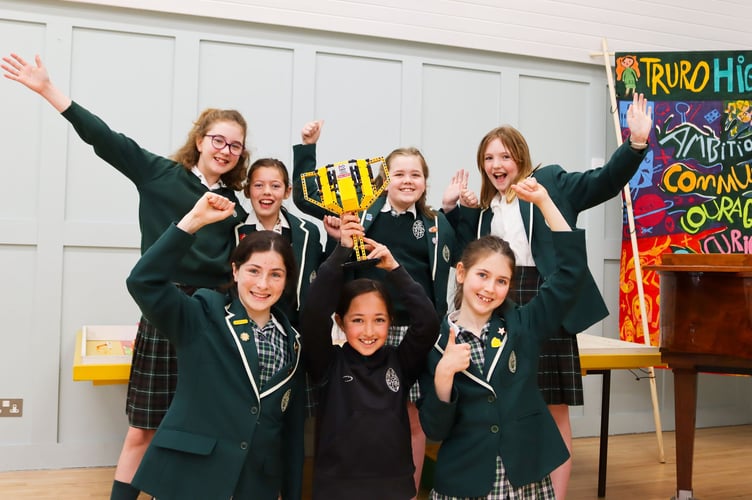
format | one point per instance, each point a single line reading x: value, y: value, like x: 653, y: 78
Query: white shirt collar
x: 281, y: 223
x: 197, y: 173
x: 388, y: 208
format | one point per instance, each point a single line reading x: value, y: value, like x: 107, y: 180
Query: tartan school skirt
x: 502, y: 489
x: 559, y: 374
x: 153, y: 377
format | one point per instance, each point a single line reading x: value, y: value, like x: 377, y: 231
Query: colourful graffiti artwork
x: 693, y: 191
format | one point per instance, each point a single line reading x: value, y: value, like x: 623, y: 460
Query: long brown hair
x: 517, y: 147
x: 188, y: 154
x: 420, y: 206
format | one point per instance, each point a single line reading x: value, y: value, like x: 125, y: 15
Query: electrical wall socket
x: 10, y: 407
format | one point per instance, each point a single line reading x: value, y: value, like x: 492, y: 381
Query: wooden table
x: 600, y: 355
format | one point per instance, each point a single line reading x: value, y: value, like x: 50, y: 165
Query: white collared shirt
x: 216, y: 185
x: 507, y: 224
x: 388, y: 208
x: 281, y: 222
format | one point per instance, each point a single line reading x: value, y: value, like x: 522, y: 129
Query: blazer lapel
x: 484, y: 222
x: 369, y: 214
x: 287, y: 371
x: 496, y: 341
x: 239, y: 325
x: 432, y: 242
x: 300, y: 244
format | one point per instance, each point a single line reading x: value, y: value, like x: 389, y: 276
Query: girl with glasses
x: 168, y: 189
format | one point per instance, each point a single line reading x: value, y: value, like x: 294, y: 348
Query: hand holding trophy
x: 345, y: 187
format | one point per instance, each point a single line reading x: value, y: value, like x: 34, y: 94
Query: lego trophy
x: 347, y: 186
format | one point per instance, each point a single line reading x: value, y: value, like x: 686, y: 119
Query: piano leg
x: 685, y: 403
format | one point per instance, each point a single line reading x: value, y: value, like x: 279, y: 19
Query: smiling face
x: 213, y: 162
x: 366, y: 323
x: 485, y: 284
x: 260, y: 281
x: 407, y: 181
x: 267, y: 190
x: 499, y: 165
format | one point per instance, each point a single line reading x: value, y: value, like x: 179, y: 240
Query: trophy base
x: 360, y: 264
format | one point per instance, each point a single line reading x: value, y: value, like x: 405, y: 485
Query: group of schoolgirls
x: 216, y: 398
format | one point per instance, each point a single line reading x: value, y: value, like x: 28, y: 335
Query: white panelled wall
x: 436, y: 75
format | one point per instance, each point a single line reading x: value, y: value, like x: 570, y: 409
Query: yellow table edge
x: 98, y: 374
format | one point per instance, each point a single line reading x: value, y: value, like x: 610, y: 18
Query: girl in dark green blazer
x: 481, y: 395
x: 503, y: 158
x: 235, y: 425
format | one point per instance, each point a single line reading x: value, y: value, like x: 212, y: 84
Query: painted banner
x: 693, y: 191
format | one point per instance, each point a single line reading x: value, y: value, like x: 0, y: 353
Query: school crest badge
x: 513, y: 362
x: 285, y: 400
x: 419, y: 229
x: 392, y: 380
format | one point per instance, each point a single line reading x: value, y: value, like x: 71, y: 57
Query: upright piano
x: 706, y: 326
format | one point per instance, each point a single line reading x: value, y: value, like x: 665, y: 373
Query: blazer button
x: 494, y: 428
x: 491, y: 399
x: 243, y: 445
x: 254, y: 410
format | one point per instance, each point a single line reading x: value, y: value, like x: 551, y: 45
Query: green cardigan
x: 501, y: 412
x: 224, y: 434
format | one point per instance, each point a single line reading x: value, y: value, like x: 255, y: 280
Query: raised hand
x: 210, y: 208
x: 456, y: 186
x: 349, y: 227
x: 639, y: 119
x: 469, y: 199
x: 331, y: 226
x: 456, y: 358
x: 530, y: 190
x: 311, y: 132
x: 381, y: 252
x: 36, y: 78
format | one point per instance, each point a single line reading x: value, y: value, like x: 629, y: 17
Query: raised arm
x: 323, y: 295
x: 531, y: 191
x: 304, y: 161
x: 36, y: 78
x: 151, y: 280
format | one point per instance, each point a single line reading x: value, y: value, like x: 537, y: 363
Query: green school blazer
x: 573, y: 192
x: 499, y: 411
x: 224, y: 434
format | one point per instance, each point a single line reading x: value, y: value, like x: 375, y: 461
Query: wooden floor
x: 721, y: 471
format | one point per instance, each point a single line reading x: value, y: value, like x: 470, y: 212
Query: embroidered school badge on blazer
x: 512, y: 362
x: 446, y: 253
x: 285, y: 400
x: 419, y: 230
x: 392, y: 380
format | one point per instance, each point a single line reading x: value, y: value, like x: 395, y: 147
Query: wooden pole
x: 635, y: 251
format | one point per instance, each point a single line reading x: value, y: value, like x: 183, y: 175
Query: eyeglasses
x: 219, y: 143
